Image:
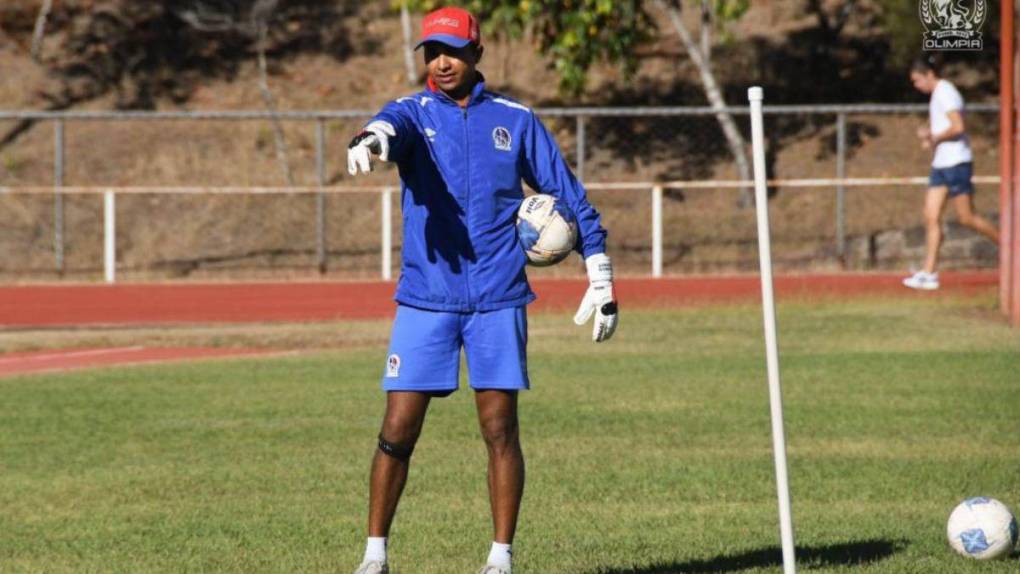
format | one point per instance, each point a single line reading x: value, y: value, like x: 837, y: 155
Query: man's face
x: 451, y: 68
x: 923, y: 82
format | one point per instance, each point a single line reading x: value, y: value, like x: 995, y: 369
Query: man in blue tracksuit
x: 462, y: 153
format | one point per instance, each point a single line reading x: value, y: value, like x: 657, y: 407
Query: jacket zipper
x: 467, y: 207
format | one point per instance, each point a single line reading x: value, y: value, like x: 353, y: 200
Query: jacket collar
x: 477, y: 92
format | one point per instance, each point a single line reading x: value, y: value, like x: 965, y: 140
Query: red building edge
x: 1009, y: 168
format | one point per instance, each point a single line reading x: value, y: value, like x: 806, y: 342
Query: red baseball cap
x: 452, y: 26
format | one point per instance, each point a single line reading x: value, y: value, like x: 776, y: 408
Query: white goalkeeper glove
x: 599, y: 299
x: 375, y: 138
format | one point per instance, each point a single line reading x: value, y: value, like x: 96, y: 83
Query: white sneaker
x: 373, y: 567
x: 923, y: 280
x: 490, y: 569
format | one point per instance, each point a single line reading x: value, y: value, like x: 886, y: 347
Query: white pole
x: 657, y: 231
x: 110, y: 236
x: 755, y: 96
x: 387, y: 234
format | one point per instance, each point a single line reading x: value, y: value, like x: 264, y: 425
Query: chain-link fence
x: 270, y: 235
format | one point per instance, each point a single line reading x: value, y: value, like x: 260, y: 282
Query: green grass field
x: 650, y: 454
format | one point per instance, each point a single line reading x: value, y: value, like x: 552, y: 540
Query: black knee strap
x: 397, y: 451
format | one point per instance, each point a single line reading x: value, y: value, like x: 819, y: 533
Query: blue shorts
x: 956, y: 178
x: 425, y: 347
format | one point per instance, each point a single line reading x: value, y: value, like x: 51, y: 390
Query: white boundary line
x: 67, y: 354
x: 148, y: 362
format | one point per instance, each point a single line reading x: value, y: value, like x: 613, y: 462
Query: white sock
x: 500, y: 555
x: 375, y: 550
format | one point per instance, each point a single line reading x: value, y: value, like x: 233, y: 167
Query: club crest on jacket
x: 501, y: 138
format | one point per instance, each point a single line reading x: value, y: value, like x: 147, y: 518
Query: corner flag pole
x: 755, y: 97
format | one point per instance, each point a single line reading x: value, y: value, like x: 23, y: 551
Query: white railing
x: 110, y: 236
x: 387, y: 233
x: 580, y: 116
x: 386, y: 198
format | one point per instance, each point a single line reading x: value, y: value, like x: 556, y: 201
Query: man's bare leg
x: 497, y: 416
x: 405, y: 414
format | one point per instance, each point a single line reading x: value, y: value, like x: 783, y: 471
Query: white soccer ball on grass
x: 982, y: 528
x: 547, y: 229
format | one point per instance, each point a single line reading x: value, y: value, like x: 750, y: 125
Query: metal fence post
x: 387, y: 234
x: 58, y: 198
x: 110, y: 236
x: 320, y: 198
x: 580, y: 147
x: 657, y: 231
x: 840, y: 189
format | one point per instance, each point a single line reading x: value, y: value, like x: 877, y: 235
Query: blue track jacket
x: 460, y: 173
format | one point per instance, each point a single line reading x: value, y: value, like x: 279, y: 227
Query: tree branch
x: 40, y: 29
x: 706, y: 29
x: 714, y: 94
x: 819, y: 11
x: 192, y: 18
x: 405, y: 24
x: 260, y: 16
x: 831, y: 28
x: 843, y: 16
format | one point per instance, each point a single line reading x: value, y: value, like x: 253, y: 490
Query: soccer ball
x: 547, y: 229
x: 982, y: 528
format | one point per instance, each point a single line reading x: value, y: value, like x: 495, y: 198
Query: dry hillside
x: 217, y: 237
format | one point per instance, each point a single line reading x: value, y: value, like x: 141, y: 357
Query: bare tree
x: 260, y: 15
x: 223, y: 16
x: 40, y: 28
x: 733, y: 138
x: 706, y: 29
x: 405, y: 23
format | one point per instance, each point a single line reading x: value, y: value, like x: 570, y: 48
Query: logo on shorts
x: 953, y: 24
x: 501, y: 138
x: 393, y: 366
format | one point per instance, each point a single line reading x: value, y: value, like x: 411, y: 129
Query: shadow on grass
x: 849, y: 554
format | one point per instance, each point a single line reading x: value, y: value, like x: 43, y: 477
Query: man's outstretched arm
x: 386, y: 136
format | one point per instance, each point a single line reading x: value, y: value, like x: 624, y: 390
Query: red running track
x: 50, y: 306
